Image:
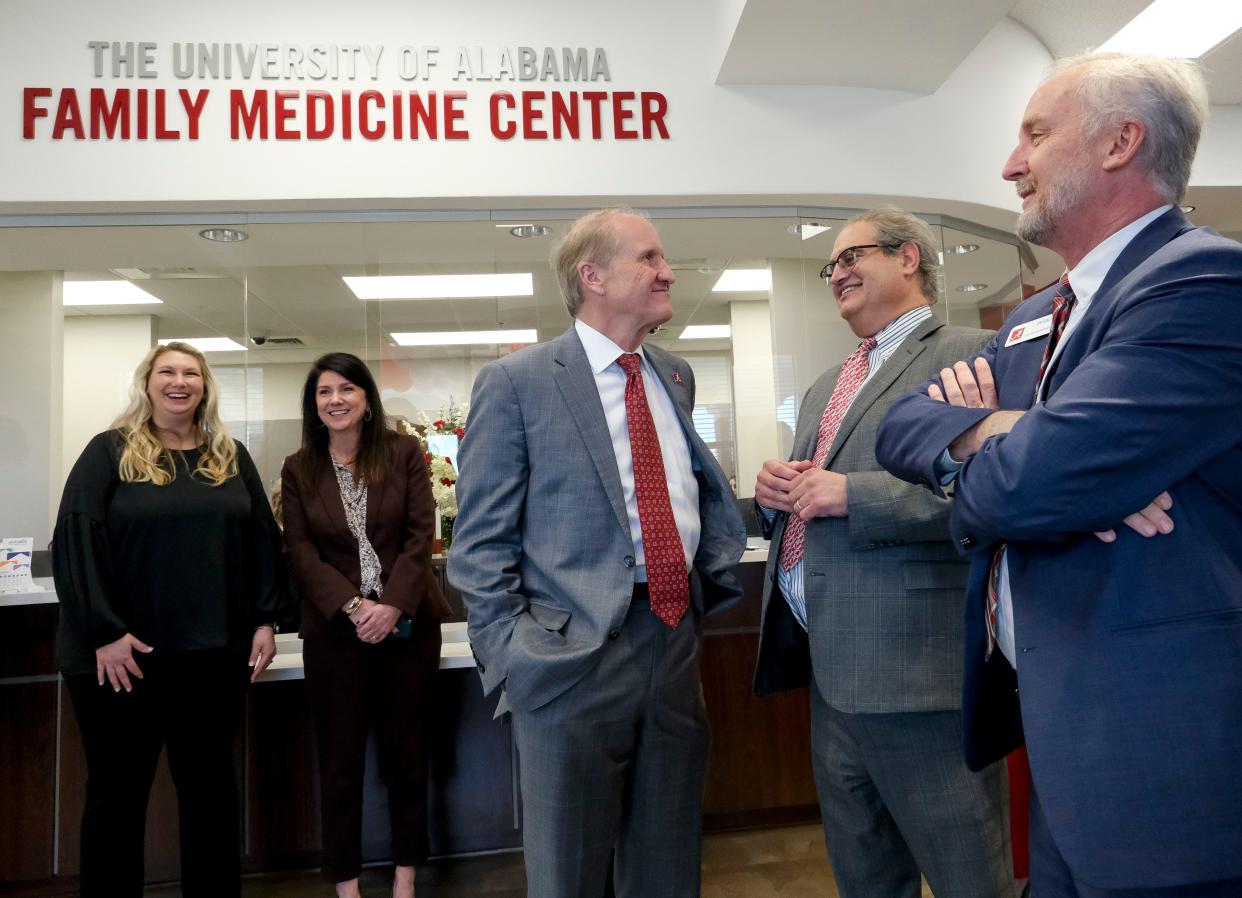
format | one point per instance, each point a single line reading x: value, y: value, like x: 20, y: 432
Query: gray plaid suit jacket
x: 542, y: 551
x: 884, y: 586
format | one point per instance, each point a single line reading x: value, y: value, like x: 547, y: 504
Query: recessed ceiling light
x: 963, y: 248
x: 1177, y: 29
x: 224, y: 235
x: 972, y: 288
x: 105, y: 293
x: 707, y: 332
x: 807, y: 230
x: 442, y: 286
x: 463, y: 338
x: 207, y: 344
x: 1187, y: 209
x: 530, y: 231
x: 743, y: 280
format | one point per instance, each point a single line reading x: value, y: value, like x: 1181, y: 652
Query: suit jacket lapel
x: 1165, y: 228
x: 808, y: 424
x: 576, y: 381
x: 1172, y: 224
x: 901, y: 359
x: 330, y: 496
x: 666, y: 367
x: 375, y: 499
x: 716, y: 539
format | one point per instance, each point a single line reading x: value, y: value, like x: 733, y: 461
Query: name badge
x: 1029, y: 331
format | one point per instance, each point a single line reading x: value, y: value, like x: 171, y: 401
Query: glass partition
x: 301, y: 285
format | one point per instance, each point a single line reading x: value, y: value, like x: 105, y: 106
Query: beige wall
x: 754, y: 390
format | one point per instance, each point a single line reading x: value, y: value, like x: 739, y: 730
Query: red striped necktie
x: 853, y: 375
x: 1062, y: 305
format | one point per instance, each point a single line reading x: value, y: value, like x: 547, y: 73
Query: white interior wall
x: 101, y: 353
x: 30, y: 415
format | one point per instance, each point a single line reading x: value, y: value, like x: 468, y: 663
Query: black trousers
x: 189, y: 702
x: 353, y: 686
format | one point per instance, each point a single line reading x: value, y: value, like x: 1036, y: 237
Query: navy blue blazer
x: 1130, y: 653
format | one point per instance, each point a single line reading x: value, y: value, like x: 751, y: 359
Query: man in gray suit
x: 594, y: 531
x: 863, y: 596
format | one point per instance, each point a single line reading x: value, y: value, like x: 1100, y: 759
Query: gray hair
x: 1170, y: 98
x: 591, y: 238
x: 894, y: 227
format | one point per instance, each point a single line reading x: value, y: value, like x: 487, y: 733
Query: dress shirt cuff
x: 945, y: 468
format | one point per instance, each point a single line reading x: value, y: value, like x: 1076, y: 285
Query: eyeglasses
x: 849, y: 257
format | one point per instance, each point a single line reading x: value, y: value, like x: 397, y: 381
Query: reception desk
x: 759, y: 770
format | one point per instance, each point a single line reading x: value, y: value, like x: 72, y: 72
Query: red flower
x: 438, y: 425
x: 447, y: 481
x: 460, y: 432
x: 428, y: 456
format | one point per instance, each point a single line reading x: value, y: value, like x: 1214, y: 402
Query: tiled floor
x: 789, y: 862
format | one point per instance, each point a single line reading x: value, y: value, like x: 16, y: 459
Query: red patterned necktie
x: 666, y: 562
x: 849, y: 382
x: 1062, y: 305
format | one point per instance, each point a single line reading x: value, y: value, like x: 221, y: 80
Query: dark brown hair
x: 377, y: 452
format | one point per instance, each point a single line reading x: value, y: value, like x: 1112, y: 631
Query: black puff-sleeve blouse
x: 182, y: 566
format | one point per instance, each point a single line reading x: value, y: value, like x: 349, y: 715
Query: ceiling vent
x: 285, y: 341
x: 165, y: 274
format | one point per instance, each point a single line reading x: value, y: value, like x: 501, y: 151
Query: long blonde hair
x: 144, y: 456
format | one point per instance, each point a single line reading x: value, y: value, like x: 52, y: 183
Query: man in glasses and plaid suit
x: 863, y: 596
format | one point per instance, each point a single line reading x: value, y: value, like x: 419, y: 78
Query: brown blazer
x: 323, y: 554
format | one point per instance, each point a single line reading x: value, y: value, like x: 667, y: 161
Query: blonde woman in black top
x: 165, y: 555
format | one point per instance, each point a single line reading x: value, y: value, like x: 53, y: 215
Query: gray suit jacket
x: 884, y: 586
x: 542, y: 551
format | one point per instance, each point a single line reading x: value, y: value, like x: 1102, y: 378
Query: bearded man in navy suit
x: 1111, y: 639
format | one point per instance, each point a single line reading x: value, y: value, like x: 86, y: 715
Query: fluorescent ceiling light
x: 1177, y: 29
x: 743, y: 280
x: 106, y: 293
x: 464, y: 338
x: 442, y: 286
x: 707, y: 332
x: 207, y: 344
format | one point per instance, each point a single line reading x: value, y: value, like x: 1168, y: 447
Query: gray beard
x: 1039, y: 224
x: 1035, y: 226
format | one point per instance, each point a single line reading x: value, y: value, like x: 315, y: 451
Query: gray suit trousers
x: 898, y: 800
x: 617, y: 762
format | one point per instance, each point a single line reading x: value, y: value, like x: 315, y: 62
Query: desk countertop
x: 454, y: 653
x: 45, y: 597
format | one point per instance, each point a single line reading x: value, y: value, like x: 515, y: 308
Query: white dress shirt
x: 1085, y: 281
x: 683, y: 487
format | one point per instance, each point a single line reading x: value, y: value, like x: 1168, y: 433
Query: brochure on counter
x: 15, y: 556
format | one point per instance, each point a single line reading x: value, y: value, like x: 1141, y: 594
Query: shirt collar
x: 900, y: 327
x: 1087, y: 276
x: 600, y: 351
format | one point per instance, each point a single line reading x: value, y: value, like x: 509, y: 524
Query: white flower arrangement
x: 451, y: 422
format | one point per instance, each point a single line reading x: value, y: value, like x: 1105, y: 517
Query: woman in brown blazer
x: 359, y: 520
